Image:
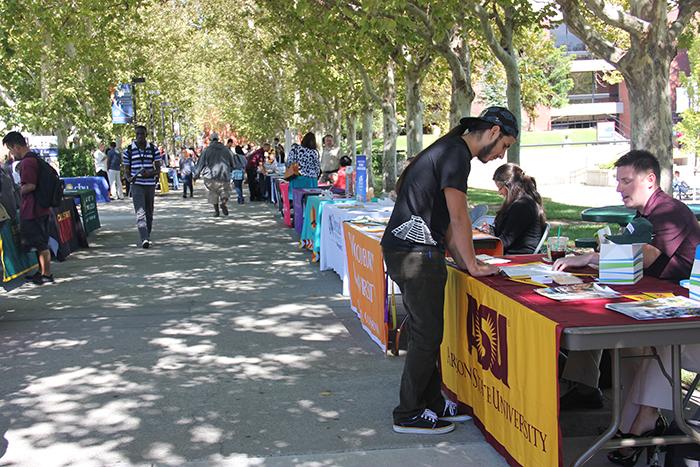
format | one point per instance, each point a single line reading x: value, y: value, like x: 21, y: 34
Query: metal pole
x: 162, y: 121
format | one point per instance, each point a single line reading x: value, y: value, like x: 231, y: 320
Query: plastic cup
x: 556, y: 247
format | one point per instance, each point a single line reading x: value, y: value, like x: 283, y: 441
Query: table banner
x: 499, y: 358
x: 88, y: 209
x: 98, y: 184
x: 367, y: 283
x: 15, y: 261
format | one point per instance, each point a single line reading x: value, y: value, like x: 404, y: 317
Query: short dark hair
x: 112, y: 144
x: 230, y: 140
x: 137, y: 127
x: 345, y: 161
x: 14, y: 138
x: 641, y: 161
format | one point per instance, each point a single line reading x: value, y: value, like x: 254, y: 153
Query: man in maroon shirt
x: 669, y: 256
x: 33, y: 219
x: 255, y: 159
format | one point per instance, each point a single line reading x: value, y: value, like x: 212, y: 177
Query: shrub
x: 76, y: 162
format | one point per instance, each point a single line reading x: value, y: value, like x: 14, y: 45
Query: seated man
x: 669, y: 256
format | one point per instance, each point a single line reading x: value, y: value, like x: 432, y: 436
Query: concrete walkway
x: 221, y: 345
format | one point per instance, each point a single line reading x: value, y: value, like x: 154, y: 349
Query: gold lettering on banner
x: 61, y: 216
x: 361, y: 255
x: 498, y: 401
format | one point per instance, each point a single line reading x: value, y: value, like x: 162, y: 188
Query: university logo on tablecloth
x: 487, y: 334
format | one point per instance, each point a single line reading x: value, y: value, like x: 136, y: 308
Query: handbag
x: 237, y: 174
x: 291, y: 171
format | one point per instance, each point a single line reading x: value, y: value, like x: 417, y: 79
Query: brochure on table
x: 660, y: 308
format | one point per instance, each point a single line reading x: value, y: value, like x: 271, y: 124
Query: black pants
x: 421, y: 276
x: 187, y: 183
x: 253, y: 184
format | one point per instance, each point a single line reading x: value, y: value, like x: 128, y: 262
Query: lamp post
x: 134, y: 82
x: 163, y: 105
x: 151, y: 126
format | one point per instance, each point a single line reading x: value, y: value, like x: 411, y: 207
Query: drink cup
x: 556, y: 247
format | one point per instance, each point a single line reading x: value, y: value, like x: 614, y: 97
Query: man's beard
x: 486, y: 150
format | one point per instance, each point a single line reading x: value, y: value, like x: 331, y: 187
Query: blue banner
x: 122, y: 104
x: 361, y: 178
x: 98, y: 184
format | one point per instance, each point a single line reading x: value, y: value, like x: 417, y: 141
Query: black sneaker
x: 47, y: 279
x: 36, y: 278
x: 224, y: 209
x: 452, y: 413
x: 426, y: 423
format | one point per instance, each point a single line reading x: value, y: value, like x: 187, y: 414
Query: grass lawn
x: 577, y: 135
x: 563, y: 217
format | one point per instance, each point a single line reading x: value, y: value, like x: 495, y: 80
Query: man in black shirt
x: 431, y: 214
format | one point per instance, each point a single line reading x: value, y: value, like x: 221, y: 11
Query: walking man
x: 186, y: 169
x: 215, y: 167
x: 142, y: 165
x: 114, y: 164
x: 430, y: 215
x: 33, y: 219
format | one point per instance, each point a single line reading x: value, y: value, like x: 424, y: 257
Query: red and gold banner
x: 500, y: 359
x: 367, y: 282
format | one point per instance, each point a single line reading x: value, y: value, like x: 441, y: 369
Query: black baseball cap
x: 498, y: 116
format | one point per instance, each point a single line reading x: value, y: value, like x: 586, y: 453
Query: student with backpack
x: 34, y: 217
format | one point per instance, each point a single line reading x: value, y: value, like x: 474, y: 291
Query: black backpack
x: 49, y: 187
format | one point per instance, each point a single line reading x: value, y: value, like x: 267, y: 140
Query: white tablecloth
x: 332, y: 239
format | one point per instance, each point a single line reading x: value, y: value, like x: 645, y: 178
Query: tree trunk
x: 414, y: 112
x: 367, y: 125
x: 458, y: 57
x: 351, y: 139
x: 390, y: 130
x: 650, y: 113
x: 513, y: 94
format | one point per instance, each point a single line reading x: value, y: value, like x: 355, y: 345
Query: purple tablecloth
x: 298, y: 197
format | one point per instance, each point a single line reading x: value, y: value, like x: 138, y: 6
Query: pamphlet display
x: 660, y: 308
x: 694, y: 283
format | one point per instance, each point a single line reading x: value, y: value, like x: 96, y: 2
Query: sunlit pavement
x: 220, y: 345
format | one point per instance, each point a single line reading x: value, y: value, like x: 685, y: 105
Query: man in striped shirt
x: 141, y: 162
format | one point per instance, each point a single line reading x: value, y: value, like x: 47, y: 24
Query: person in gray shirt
x: 215, y: 167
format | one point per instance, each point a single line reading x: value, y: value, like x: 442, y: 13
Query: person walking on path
x: 101, y: 162
x: 114, y: 164
x: 238, y: 172
x: 33, y: 219
x: 430, y: 215
x: 215, y: 167
x: 186, y: 169
x: 142, y: 165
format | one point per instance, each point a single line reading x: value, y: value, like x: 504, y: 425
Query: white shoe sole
x: 424, y: 431
x: 456, y: 418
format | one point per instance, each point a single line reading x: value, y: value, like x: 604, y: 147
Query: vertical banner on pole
x: 361, y: 178
x: 122, y: 104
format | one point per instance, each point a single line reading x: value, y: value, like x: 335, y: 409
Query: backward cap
x: 496, y: 115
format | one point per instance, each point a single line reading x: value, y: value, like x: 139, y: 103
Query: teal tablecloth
x: 311, y: 229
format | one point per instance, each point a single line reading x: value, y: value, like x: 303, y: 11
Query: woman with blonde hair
x: 520, y: 221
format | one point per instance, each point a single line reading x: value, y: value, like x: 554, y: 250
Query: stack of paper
x: 694, y: 283
x: 620, y: 264
x: 660, y: 308
x: 587, y: 291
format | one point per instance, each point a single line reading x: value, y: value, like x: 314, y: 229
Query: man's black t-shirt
x: 420, y: 217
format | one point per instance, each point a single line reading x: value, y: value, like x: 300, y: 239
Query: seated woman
x: 340, y: 178
x: 304, y: 158
x: 520, y: 221
x: 649, y: 391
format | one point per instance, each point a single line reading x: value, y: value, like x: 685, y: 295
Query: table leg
x: 678, y: 414
x: 616, y: 413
